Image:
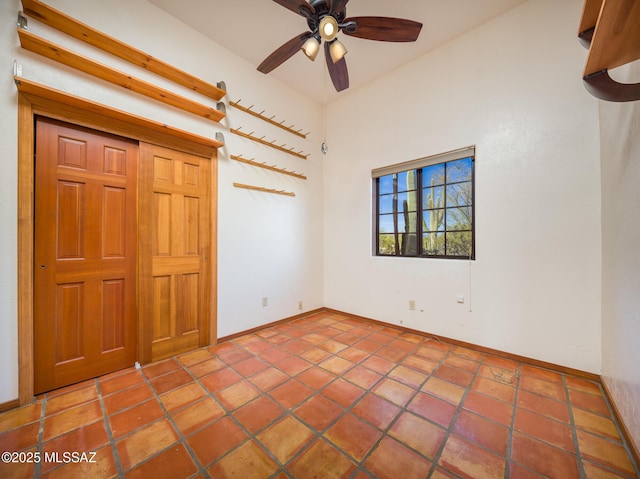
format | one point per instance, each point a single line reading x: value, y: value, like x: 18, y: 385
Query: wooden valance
x: 164, y: 135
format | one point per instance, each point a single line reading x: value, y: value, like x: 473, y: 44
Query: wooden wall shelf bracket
x: 272, y: 144
x: 43, y: 47
x: 72, y: 27
x: 264, y: 190
x: 267, y: 167
x: 601, y: 85
x: 270, y: 120
x: 609, y: 29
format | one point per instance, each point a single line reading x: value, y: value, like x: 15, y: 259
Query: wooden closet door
x: 85, y: 317
x: 175, y: 241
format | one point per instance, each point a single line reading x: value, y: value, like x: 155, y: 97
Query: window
x: 425, y: 208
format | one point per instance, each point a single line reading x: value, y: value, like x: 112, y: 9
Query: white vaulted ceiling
x: 252, y: 29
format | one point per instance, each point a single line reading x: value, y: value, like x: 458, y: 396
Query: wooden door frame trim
x: 29, y: 106
x: 26, y: 208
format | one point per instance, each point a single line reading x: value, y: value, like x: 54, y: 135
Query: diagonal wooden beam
x: 43, y: 47
x: 69, y: 25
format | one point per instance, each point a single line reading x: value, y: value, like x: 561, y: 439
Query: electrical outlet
x: 299, y: 305
x: 265, y: 302
x: 412, y: 305
x: 460, y: 299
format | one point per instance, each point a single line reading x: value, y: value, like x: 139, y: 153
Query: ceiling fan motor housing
x: 322, y: 10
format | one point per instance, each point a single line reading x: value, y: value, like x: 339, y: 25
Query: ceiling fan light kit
x: 311, y: 47
x: 328, y: 28
x: 327, y: 18
x: 337, y: 50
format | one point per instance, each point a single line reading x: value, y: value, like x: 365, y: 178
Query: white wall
x: 8, y: 206
x: 513, y: 88
x: 620, y: 146
x: 268, y: 245
x: 508, y: 87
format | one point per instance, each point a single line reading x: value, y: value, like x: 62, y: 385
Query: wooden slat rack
x: 43, y: 47
x: 272, y: 144
x: 72, y: 27
x: 252, y: 162
x: 264, y: 190
x: 611, y: 31
x: 270, y: 120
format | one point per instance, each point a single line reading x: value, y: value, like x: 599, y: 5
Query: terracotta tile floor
x: 323, y: 397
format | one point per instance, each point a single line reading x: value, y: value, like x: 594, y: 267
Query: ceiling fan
x: 326, y: 18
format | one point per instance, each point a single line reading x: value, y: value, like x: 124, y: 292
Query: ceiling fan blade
x: 336, y: 6
x: 296, y: 5
x: 283, y: 53
x: 337, y: 71
x: 384, y: 29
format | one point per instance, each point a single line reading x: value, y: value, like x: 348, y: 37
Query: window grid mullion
x: 444, y: 205
x: 377, y: 216
x: 396, y: 235
x: 419, y: 204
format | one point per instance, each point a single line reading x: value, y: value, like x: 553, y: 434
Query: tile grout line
x: 454, y: 419
x: 530, y: 436
x: 37, y: 470
x: 403, y: 410
x: 290, y: 411
x: 418, y: 390
x: 622, y: 436
x: 230, y: 413
x: 313, y: 327
x: 149, y: 386
x: 319, y: 435
x: 182, y: 440
x: 508, y: 465
x: 574, y: 430
x: 347, y: 410
x: 107, y: 426
x: 359, y: 465
x: 612, y: 418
